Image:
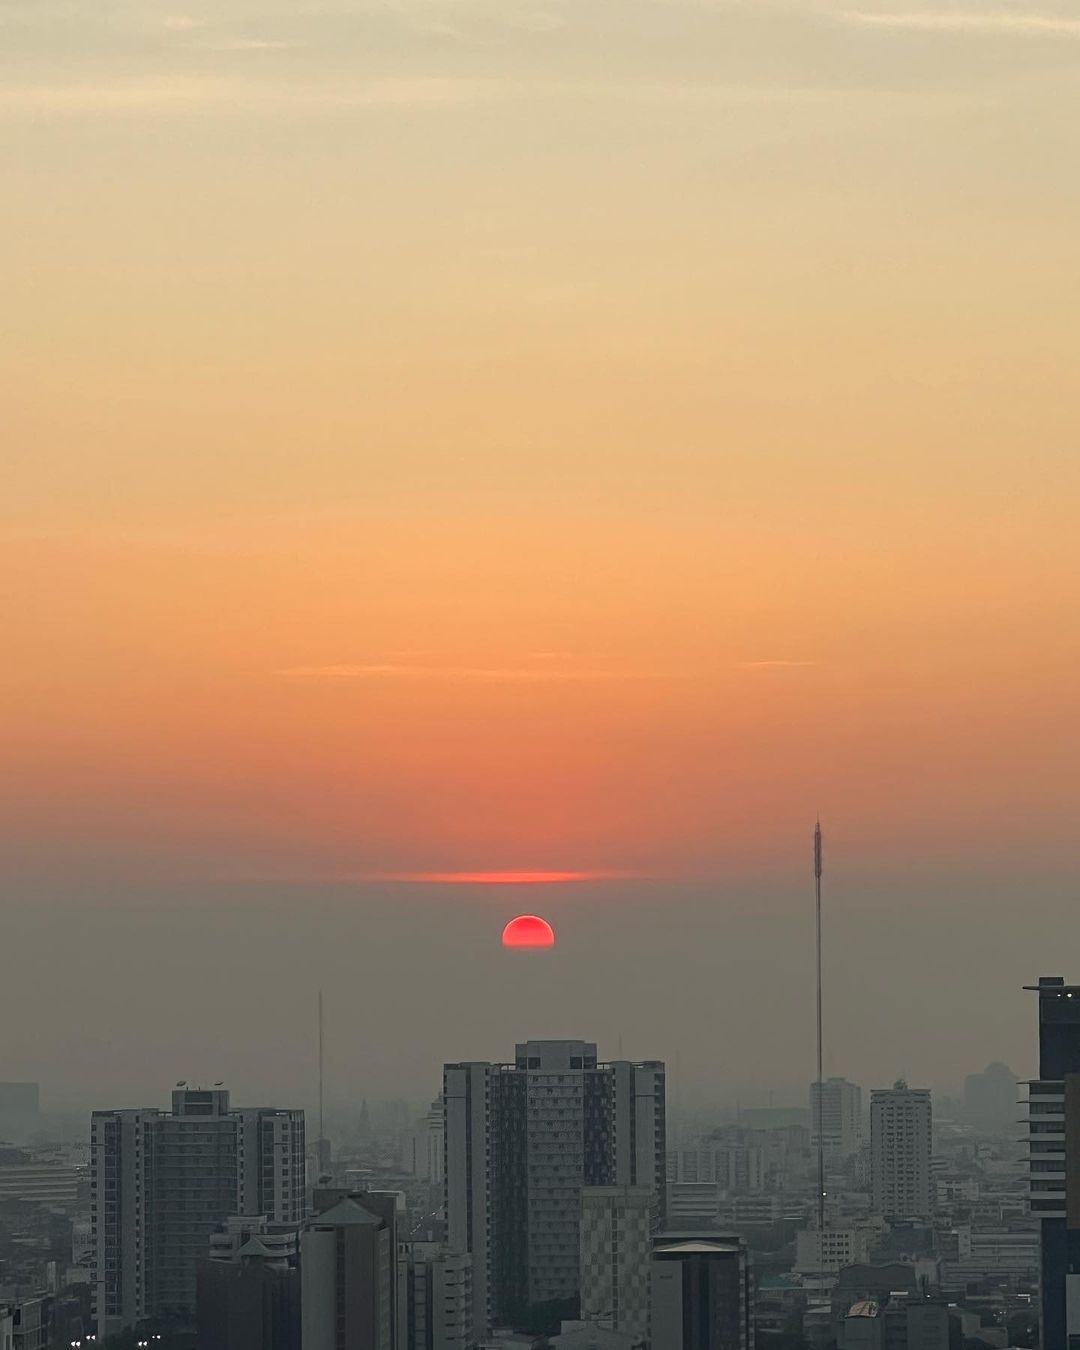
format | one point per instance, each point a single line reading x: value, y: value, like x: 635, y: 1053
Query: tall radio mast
x: 322, y: 1123
x: 820, y: 1076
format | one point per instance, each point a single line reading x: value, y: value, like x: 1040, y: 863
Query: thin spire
x: 820, y: 1038
x: 322, y: 1123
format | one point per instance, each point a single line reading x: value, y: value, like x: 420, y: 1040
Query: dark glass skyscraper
x: 1054, y: 1142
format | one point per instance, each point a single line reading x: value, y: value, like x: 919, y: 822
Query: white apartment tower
x: 522, y: 1141
x: 841, y: 1118
x: 900, y: 1149
x: 163, y: 1181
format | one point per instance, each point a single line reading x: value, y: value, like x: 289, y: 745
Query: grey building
x: 439, y: 1297
x: 617, y: 1225
x: 248, y: 1288
x: 901, y: 1143
x: 840, y: 1113
x: 162, y: 1181
x: 40, y: 1177
x: 701, y: 1296
x: 522, y: 1141
x: 990, y: 1097
x: 348, y: 1260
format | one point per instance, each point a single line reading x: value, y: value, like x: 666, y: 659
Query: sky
x: 495, y: 436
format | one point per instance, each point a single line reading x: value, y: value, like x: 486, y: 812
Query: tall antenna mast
x: 820, y: 1057
x: 322, y: 1129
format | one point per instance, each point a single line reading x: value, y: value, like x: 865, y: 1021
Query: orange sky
x: 460, y: 436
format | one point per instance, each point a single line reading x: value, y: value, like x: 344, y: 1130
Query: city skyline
x: 488, y: 485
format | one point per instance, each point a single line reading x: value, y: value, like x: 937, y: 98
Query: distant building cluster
x: 549, y: 1200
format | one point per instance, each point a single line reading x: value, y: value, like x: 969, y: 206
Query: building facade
x: 828, y: 1251
x: 617, y: 1226
x: 841, y: 1115
x: 900, y: 1152
x: 40, y: 1177
x: 522, y: 1141
x: 162, y: 1181
x: 439, y: 1294
x: 1054, y: 1148
x: 348, y: 1263
x: 701, y: 1296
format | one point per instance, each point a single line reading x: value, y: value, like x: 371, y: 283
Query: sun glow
x: 528, y: 931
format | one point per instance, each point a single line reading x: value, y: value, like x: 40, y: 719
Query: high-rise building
x: 522, y: 1140
x: 841, y: 1118
x: 428, y: 1147
x: 701, y: 1296
x: 348, y: 1262
x: 162, y: 1181
x: 617, y: 1226
x: 900, y: 1150
x: 1054, y: 1145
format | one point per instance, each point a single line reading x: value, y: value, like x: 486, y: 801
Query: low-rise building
x: 39, y: 1177
x: 829, y: 1250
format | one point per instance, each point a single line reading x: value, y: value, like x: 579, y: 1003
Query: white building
x: 522, y: 1141
x: 163, y: 1181
x: 841, y: 1115
x: 617, y: 1224
x: 900, y: 1152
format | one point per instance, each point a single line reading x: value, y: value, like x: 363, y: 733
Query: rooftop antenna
x: 820, y: 1061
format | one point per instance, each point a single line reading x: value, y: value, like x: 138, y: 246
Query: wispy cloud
x: 245, y: 95
x: 199, y: 93
x: 181, y: 23
x: 386, y: 670
x: 1008, y: 22
x: 254, y: 45
x: 775, y: 665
